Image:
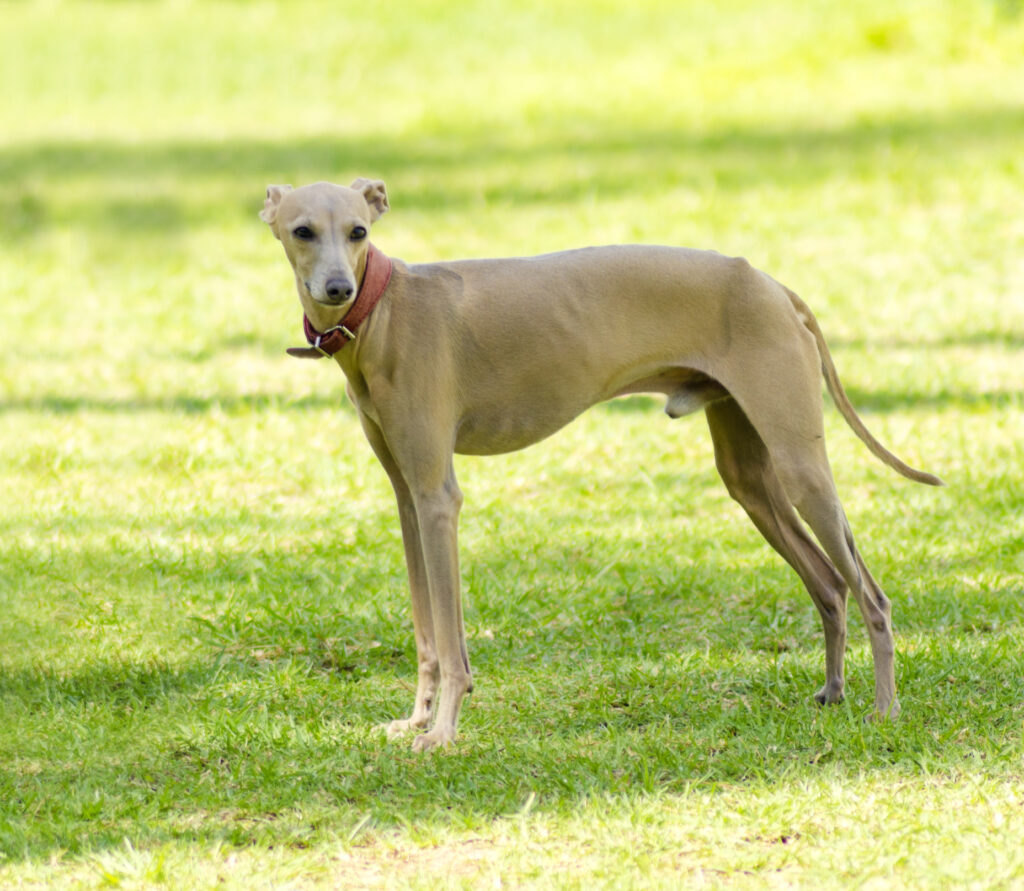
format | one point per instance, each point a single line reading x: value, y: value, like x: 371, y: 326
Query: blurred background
x: 868, y: 154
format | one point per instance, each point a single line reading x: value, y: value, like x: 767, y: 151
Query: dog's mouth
x: 332, y: 302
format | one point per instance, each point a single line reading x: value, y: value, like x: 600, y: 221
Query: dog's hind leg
x: 746, y: 469
x: 814, y: 494
x: 784, y: 406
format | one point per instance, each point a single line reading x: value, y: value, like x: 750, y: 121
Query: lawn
x: 203, y: 614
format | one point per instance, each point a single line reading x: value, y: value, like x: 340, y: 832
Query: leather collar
x: 327, y: 343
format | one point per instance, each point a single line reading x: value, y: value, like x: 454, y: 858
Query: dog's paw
x: 880, y: 715
x: 399, y: 728
x: 434, y: 739
x: 829, y: 695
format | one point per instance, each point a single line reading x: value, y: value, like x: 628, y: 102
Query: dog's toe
x: 880, y: 715
x: 433, y: 740
x: 399, y: 728
x: 829, y: 695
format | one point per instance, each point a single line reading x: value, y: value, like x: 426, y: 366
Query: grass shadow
x: 873, y: 401
x: 262, y: 754
x: 521, y: 171
x: 178, y: 404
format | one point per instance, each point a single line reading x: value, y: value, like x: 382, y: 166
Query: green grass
x: 203, y: 614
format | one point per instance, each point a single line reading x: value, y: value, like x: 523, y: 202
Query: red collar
x: 327, y: 343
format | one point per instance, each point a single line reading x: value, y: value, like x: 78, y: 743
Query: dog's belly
x: 495, y: 428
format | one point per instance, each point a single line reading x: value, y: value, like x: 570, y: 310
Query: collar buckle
x: 348, y: 334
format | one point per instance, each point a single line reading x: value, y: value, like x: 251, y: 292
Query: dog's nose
x: 339, y: 289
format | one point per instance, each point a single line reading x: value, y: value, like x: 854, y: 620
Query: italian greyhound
x: 483, y: 357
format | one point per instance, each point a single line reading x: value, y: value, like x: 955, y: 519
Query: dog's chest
x: 499, y: 428
x: 359, y: 395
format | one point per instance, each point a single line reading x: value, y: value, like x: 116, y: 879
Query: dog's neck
x: 327, y: 343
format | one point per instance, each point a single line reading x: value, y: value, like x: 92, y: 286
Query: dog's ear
x: 376, y: 196
x: 269, y: 212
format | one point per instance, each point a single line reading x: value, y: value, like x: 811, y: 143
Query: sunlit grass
x: 203, y: 612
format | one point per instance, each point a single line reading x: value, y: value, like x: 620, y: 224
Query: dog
x: 483, y: 357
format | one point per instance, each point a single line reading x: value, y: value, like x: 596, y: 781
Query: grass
x: 203, y: 615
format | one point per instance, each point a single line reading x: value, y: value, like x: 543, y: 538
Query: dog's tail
x: 846, y: 409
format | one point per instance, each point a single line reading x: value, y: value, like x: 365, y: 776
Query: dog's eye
x: 303, y: 233
x: 357, y: 234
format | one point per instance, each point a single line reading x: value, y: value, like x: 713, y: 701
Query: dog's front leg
x: 422, y: 619
x: 437, y: 511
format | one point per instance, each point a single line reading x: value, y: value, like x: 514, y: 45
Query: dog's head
x: 325, y: 232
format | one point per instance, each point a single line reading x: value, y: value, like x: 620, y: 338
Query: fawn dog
x: 487, y: 356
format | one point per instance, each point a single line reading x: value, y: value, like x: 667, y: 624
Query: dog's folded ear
x: 375, y: 194
x: 269, y: 212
